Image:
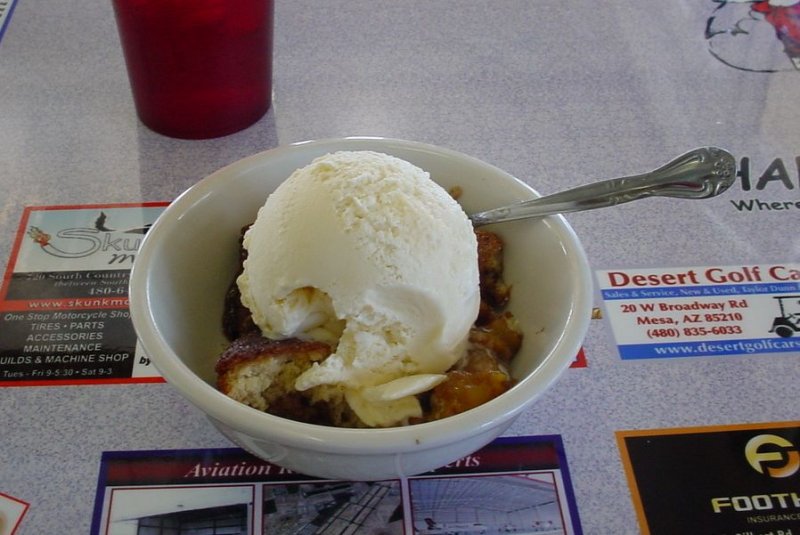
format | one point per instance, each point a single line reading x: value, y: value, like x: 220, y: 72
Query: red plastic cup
x: 198, y: 68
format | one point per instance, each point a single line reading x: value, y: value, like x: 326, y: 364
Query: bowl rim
x: 371, y: 441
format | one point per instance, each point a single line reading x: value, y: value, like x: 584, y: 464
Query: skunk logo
x: 81, y: 242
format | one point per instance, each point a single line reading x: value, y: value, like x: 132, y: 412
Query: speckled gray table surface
x: 555, y: 93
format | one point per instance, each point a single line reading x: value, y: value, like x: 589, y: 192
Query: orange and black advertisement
x: 727, y: 480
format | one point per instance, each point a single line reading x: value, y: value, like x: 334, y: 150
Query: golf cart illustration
x: 788, y: 322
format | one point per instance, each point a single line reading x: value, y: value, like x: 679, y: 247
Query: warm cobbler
x: 481, y: 375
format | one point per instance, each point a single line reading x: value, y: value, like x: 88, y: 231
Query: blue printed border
x: 748, y: 346
x: 7, y: 18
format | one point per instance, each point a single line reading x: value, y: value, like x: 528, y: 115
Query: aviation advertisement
x: 513, y: 485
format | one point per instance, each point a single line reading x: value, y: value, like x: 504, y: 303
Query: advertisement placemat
x: 728, y: 480
x: 518, y: 484
x: 703, y: 311
x: 64, y: 315
x: 12, y: 510
x: 6, y: 8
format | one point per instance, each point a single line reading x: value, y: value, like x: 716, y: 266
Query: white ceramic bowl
x: 189, y: 256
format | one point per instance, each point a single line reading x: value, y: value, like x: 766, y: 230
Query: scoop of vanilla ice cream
x: 364, y: 251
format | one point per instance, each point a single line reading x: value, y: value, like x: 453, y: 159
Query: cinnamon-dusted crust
x: 256, y: 347
x: 261, y: 373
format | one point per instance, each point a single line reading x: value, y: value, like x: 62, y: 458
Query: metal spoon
x: 698, y: 174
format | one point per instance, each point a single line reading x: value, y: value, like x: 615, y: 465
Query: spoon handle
x: 698, y: 174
